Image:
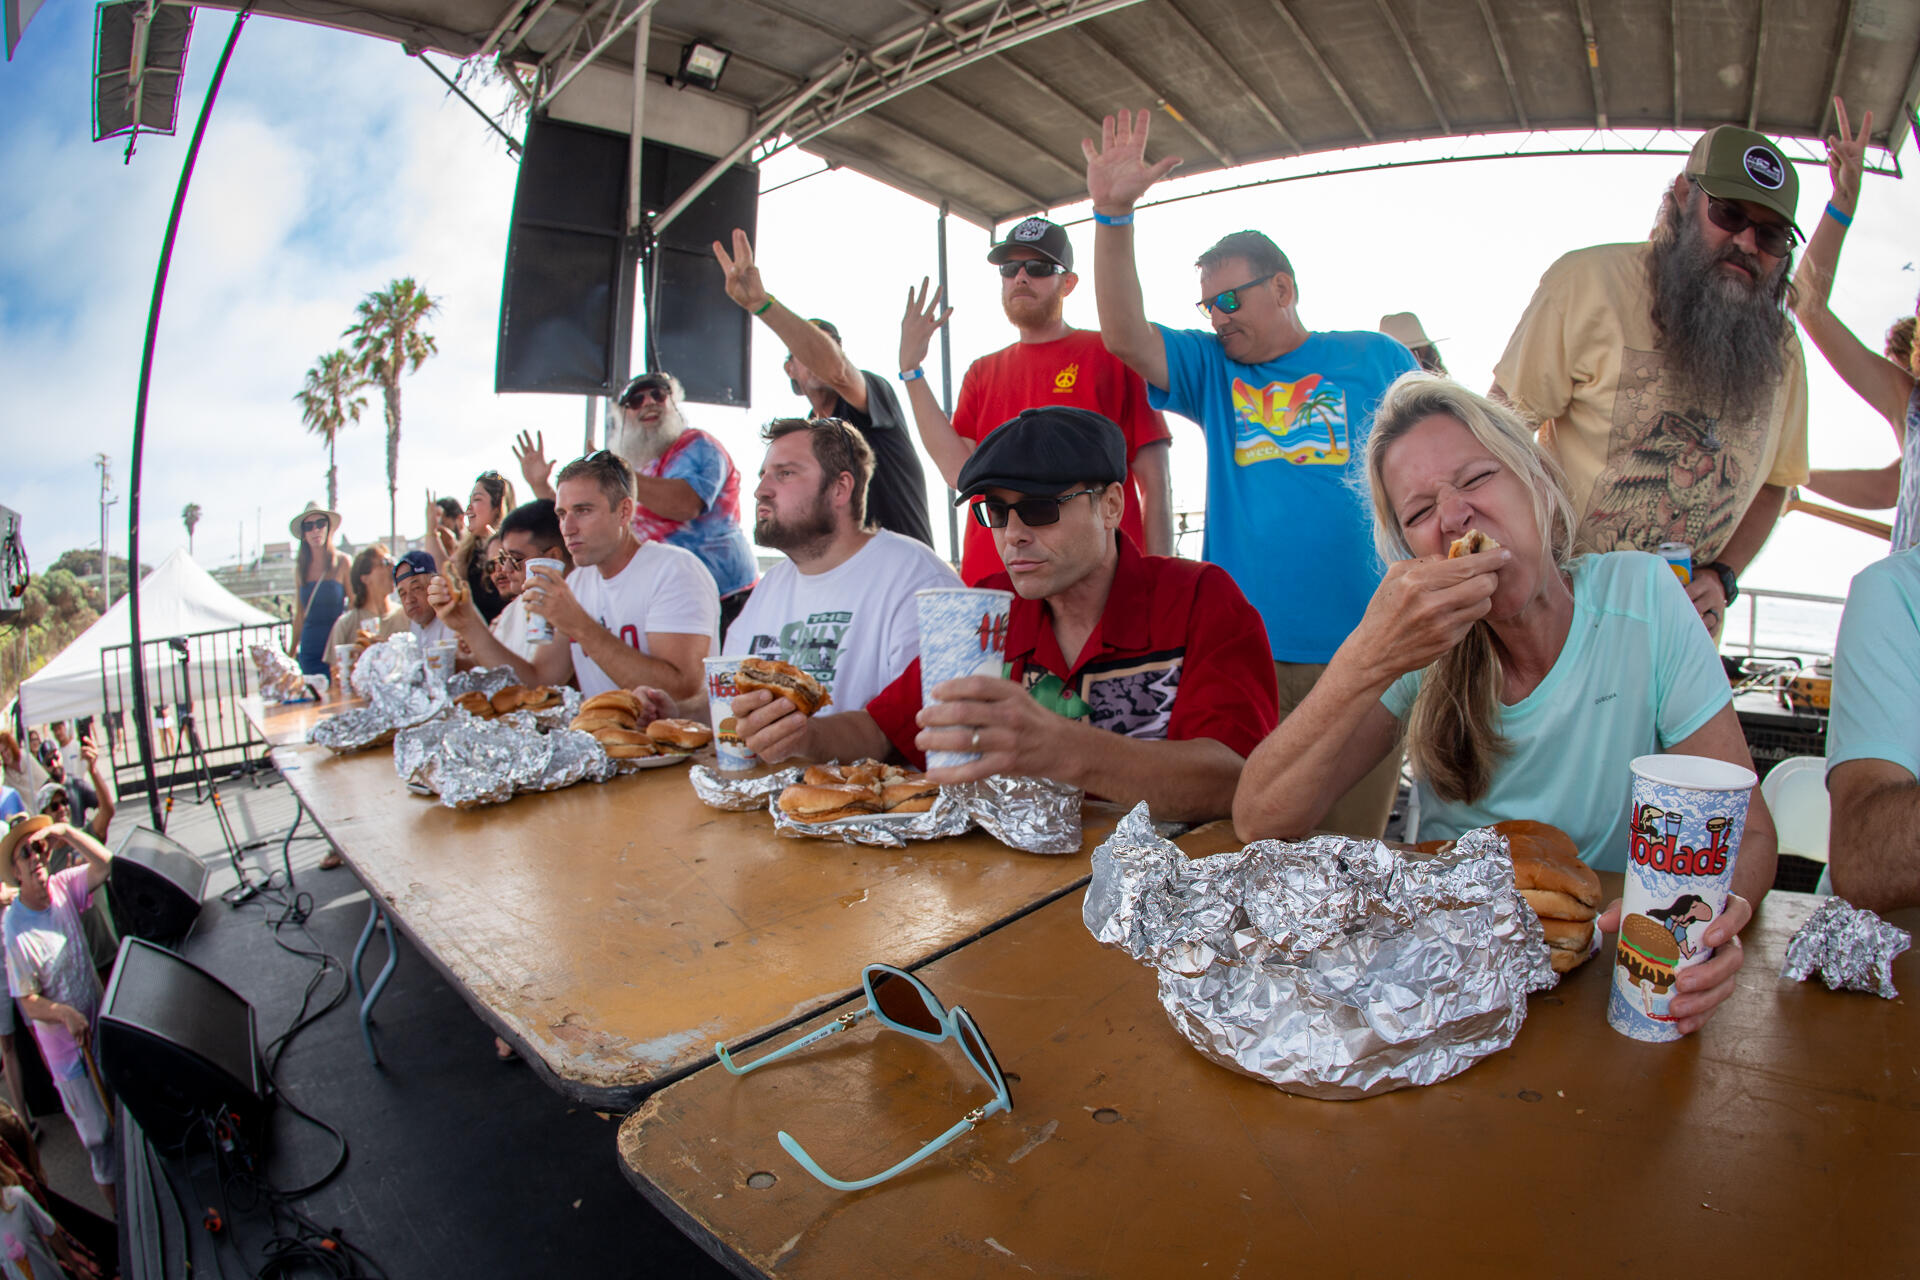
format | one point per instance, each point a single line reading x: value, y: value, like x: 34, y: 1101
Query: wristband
x: 1844, y: 219
x: 912, y: 375
x: 1125, y: 219
x: 762, y: 308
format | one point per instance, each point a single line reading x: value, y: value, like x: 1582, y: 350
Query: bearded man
x: 841, y: 606
x: 1051, y: 364
x: 1666, y: 376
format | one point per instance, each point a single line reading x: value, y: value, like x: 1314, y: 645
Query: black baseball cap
x: 410, y: 565
x: 645, y: 382
x: 1048, y: 239
x: 1046, y: 450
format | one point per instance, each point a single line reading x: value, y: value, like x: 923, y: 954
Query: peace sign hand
x: 1117, y: 171
x: 1846, y: 155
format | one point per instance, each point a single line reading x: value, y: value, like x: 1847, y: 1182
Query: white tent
x: 177, y: 599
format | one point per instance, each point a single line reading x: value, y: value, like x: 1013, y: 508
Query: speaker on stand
x: 155, y: 886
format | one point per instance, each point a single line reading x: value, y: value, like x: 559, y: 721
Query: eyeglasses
x: 508, y: 560
x: 653, y: 391
x: 1035, y: 267
x: 1033, y: 511
x: 1229, y: 300
x: 904, y: 1003
x: 308, y: 526
x: 1770, y: 238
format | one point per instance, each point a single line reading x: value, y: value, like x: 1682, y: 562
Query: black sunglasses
x: 1228, y: 300
x: 1034, y: 267
x: 1770, y: 238
x: 308, y: 526
x: 1033, y: 511
x: 637, y: 396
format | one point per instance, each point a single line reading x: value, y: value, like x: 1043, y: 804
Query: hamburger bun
x: 1546, y: 862
x: 681, y: 735
x: 540, y: 697
x: 602, y: 720
x: 825, y: 803
x: 509, y: 698
x: 1568, y: 935
x: 630, y: 751
x: 1565, y: 961
x: 908, y: 796
x: 1470, y: 543
x: 476, y: 704
x: 608, y: 736
x: 614, y: 700
x: 862, y: 773
x: 784, y: 680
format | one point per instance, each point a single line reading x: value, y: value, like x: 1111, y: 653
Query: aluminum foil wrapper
x: 1851, y: 948
x: 392, y: 677
x: 1035, y: 815
x: 731, y: 791
x: 948, y: 817
x: 575, y: 757
x: 1333, y: 968
x: 354, y: 730
x: 469, y: 762
x: 487, y: 680
x: 280, y: 677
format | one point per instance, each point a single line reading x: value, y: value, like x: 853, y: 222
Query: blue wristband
x: 1124, y: 220
x: 912, y: 375
x: 1844, y: 219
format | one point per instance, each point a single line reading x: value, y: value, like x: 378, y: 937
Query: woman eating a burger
x: 1525, y: 678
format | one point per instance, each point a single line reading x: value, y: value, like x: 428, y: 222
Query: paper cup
x: 539, y: 629
x: 963, y: 632
x: 1688, y: 813
x: 733, y: 754
x: 440, y: 659
x: 343, y: 656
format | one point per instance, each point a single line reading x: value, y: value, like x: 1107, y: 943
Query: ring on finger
x: 974, y: 745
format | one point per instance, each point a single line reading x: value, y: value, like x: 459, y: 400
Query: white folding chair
x: 1796, y: 793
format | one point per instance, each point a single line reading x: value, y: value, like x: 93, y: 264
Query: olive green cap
x: 1731, y: 163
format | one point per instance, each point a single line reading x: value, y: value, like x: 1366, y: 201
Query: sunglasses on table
x: 1770, y: 238
x: 1033, y: 511
x: 1034, y: 267
x: 903, y: 1003
x: 1229, y: 300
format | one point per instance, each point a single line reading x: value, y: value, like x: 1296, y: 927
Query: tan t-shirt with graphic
x: 1643, y: 465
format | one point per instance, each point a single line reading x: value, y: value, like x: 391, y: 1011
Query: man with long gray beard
x: 841, y: 606
x: 1666, y: 376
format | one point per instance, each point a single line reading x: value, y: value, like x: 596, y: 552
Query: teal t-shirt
x: 1876, y: 667
x: 1638, y: 675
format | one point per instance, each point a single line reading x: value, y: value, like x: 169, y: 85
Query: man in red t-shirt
x: 1051, y: 364
x: 1133, y: 677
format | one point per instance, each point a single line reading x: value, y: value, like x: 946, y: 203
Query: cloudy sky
x: 334, y: 163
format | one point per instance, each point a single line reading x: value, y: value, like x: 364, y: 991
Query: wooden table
x: 614, y: 932
x: 287, y: 724
x: 1783, y: 1139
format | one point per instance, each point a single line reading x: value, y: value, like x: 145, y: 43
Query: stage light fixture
x: 703, y: 64
x: 139, y: 54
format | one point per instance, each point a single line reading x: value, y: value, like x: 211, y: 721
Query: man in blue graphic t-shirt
x: 1286, y: 413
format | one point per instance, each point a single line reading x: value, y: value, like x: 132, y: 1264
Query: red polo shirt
x: 1178, y: 653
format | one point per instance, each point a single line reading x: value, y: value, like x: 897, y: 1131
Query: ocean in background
x: 1803, y: 628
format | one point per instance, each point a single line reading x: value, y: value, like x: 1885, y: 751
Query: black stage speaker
x: 566, y: 307
x: 177, y: 1044
x: 155, y: 885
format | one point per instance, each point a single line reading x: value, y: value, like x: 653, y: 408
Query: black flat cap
x: 1046, y: 450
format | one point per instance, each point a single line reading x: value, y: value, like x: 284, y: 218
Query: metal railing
x: 204, y: 675
x: 1753, y: 596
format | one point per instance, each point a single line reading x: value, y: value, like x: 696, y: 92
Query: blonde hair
x: 1451, y: 739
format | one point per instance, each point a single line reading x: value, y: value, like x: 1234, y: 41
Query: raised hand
x: 1846, y: 155
x: 530, y: 451
x: 922, y: 320
x: 743, y: 277
x: 1117, y: 171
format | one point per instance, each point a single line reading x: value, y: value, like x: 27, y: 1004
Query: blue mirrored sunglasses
x: 904, y: 1003
x: 1228, y: 300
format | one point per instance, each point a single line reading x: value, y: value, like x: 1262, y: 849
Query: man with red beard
x: 1051, y: 364
x: 1666, y: 376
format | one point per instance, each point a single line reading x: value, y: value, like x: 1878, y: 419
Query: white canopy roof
x: 177, y: 599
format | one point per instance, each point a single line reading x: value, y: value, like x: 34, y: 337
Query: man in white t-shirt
x: 841, y: 606
x: 630, y: 613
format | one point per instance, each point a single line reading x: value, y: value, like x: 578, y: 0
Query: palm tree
x: 190, y: 516
x: 388, y: 342
x: 327, y: 403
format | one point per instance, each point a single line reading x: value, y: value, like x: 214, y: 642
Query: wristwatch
x: 1729, y: 580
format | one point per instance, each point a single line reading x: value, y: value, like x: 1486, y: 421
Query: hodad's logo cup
x: 733, y: 754
x: 963, y: 632
x: 1688, y: 813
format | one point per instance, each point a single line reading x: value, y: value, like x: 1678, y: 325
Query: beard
x: 814, y: 528
x: 1724, y: 338
x: 640, y: 444
x: 1032, y: 312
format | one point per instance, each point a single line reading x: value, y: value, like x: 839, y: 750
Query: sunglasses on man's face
x: 905, y: 1004
x: 506, y: 562
x: 652, y: 393
x: 1033, y: 512
x: 1770, y: 238
x: 1032, y: 266
x: 1229, y: 300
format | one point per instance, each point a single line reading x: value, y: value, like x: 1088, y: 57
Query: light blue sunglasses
x: 904, y: 1003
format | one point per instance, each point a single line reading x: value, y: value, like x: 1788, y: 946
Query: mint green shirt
x: 1638, y: 674
x: 1876, y: 667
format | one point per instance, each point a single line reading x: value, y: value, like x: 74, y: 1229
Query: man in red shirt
x: 1052, y: 364
x: 1134, y: 677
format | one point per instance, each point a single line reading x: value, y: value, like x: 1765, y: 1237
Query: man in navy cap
x: 412, y: 573
x: 1052, y: 364
x: 1135, y: 677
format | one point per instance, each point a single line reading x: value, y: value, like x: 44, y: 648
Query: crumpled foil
x: 1850, y: 947
x: 733, y: 792
x: 1334, y: 968
x: 487, y: 680
x: 469, y: 762
x: 280, y: 677
x: 353, y: 730
x: 1034, y: 815
x: 575, y: 757
x: 392, y: 677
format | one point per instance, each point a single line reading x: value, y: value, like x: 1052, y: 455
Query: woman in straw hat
x: 322, y: 583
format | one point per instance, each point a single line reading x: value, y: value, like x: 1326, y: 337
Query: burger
x: 912, y: 794
x: 680, y: 735
x: 476, y: 704
x: 805, y: 803
x: 1469, y: 543
x: 1647, y: 952
x: 784, y: 680
x: 1563, y: 891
